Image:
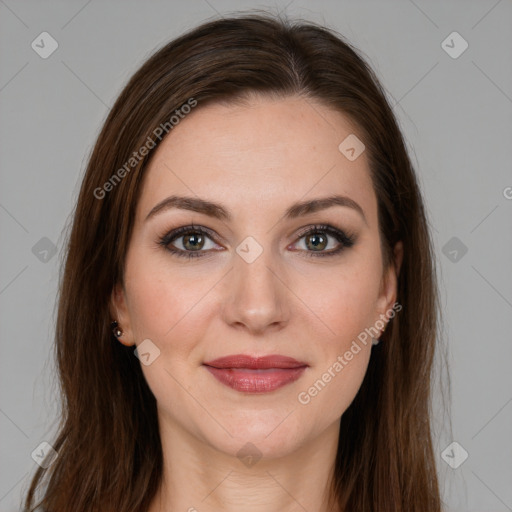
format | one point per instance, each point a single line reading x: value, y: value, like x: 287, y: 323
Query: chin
x: 268, y: 437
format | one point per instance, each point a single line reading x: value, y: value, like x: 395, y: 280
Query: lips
x: 256, y: 374
x: 264, y: 362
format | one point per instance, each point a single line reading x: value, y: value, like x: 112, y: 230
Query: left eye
x: 318, y: 241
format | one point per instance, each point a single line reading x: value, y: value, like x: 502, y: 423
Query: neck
x: 199, y: 478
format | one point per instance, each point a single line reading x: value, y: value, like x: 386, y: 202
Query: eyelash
x: 345, y: 239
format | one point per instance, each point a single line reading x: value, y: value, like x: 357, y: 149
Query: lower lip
x: 256, y: 381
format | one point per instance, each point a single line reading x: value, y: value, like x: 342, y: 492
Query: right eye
x: 193, y: 240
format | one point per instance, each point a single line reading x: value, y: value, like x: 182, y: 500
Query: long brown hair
x: 108, y: 443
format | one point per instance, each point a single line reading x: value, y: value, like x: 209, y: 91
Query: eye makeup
x: 198, y: 234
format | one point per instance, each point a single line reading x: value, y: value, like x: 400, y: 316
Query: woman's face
x: 256, y: 284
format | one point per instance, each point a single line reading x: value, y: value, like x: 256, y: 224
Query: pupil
x: 318, y: 241
x: 196, y: 239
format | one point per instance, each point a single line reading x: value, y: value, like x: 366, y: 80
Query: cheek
x: 346, y: 307
x: 161, y: 300
x: 331, y: 390
x: 343, y: 300
x: 342, y: 356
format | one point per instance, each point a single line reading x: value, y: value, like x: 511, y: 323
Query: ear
x: 389, y: 283
x: 119, y: 312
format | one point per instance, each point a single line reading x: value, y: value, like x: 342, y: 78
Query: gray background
x: 456, y: 114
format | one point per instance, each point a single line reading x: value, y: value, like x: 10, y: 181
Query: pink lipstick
x: 256, y: 374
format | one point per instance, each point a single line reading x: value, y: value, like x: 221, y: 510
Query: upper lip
x: 262, y: 362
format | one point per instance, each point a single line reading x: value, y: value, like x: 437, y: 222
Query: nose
x: 256, y: 296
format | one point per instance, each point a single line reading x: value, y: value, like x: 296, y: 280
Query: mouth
x: 256, y: 374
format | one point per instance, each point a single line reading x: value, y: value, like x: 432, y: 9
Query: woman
x: 248, y: 226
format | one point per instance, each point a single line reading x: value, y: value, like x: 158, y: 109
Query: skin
x: 256, y: 160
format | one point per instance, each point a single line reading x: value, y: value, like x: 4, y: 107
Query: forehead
x: 268, y: 152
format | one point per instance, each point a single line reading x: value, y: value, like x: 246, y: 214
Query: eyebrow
x: 218, y: 211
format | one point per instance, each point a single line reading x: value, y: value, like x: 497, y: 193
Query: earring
x: 115, y: 329
x: 377, y: 341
